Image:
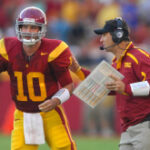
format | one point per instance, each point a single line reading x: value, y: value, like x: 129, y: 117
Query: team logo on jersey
x: 127, y: 64
x: 43, y: 53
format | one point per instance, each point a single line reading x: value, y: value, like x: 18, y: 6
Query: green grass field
x: 83, y: 143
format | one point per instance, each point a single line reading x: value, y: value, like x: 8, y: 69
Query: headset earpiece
x: 118, y: 34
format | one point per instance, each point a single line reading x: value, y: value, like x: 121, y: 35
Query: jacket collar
x: 119, y: 61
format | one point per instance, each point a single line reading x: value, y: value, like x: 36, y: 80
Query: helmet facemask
x: 34, y: 37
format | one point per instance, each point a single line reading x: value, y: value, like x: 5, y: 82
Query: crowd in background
x: 73, y: 21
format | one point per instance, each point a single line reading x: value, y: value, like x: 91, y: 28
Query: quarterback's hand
x: 115, y: 85
x: 48, y: 105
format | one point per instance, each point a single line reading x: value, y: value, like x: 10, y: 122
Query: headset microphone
x: 103, y: 48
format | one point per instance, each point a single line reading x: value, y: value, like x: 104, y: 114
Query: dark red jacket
x: 134, y: 64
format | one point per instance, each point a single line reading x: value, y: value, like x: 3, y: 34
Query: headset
x: 118, y: 34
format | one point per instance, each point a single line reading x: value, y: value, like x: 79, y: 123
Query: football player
x: 40, y: 81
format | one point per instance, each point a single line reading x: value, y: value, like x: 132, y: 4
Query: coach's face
x: 107, y: 42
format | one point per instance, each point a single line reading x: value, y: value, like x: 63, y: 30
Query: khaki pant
x: 136, y: 137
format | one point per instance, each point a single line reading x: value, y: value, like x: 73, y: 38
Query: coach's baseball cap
x: 108, y: 27
x: 111, y: 26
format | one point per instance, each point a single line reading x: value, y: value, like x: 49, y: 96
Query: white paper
x: 92, y: 90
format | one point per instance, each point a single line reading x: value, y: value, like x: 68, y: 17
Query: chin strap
x: 29, y: 42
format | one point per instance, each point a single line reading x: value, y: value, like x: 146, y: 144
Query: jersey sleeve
x: 82, y: 73
x: 141, y: 69
x: 61, y: 63
x: 3, y: 56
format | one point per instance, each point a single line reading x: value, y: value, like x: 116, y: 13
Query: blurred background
x: 73, y: 21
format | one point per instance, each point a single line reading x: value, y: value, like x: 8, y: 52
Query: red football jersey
x: 35, y: 80
x: 134, y: 64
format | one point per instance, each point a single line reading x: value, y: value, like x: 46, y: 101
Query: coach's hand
x: 115, y: 85
x: 48, y: 105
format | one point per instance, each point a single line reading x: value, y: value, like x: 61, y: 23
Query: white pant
x: 136, y: 137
